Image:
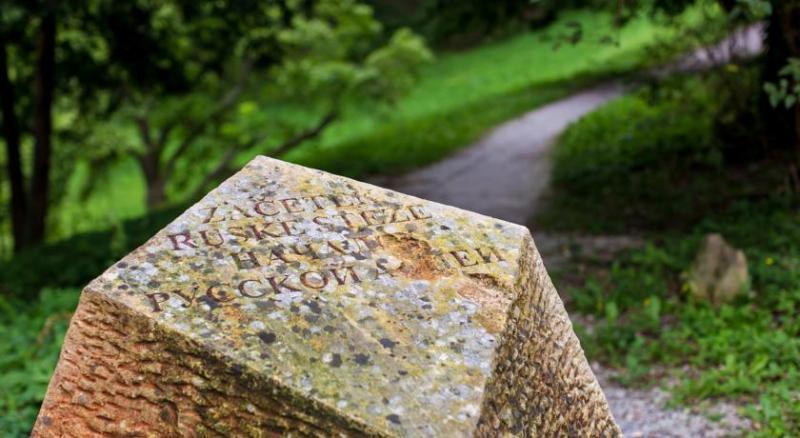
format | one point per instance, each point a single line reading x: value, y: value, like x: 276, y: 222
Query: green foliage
x: 75, y: 261
x: 635, y: 160
x: 32, y: 336
x: 748, y: 350
x: 325, y: 54
x: 461, y: 95
x: 456, y: 98
x: 406, y: 144
x: 787, y: 91
x: 652, y: 159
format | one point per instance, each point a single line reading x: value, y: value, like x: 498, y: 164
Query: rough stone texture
x: 719, y: 272
x: 293, y: 301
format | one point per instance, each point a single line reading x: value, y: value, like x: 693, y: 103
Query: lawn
x: 458, y: 97
x: 651, y: 164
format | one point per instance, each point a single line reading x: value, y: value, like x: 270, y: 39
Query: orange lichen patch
x: 492, y: 305
x: 418, y: 258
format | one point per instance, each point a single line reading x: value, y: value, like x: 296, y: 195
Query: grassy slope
x: 458, y: 98
x: 655, y: 166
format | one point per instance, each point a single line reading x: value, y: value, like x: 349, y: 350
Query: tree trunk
x: 11, y: 135
x: 156, y: 193
x: 154, y: 180
x: 43, y: 127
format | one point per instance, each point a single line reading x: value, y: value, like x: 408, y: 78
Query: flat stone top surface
x: 382, y: 306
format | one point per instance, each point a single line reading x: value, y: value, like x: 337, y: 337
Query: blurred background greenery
x: 116, y: 115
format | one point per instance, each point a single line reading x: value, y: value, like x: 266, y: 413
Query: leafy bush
x: 442, y: 113
x: 652, y: 162
x: 632, y: 163
x: 747, y: 350
x: 75, y: 261
x: 32, y: 337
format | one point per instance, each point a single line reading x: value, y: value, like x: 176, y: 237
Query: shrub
x: 32, y: 337
x: 75, y: 261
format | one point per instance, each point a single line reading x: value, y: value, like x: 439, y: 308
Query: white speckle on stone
x: 279, y: 315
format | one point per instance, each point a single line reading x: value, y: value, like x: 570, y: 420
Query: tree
x: 225, y: 63
x: 28, y: 61
x: 780, y: 73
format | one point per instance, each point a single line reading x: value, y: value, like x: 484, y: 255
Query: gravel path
x: 642, y: 413
x: 504, y: 175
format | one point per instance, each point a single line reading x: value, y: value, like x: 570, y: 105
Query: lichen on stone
x: 320, y: 305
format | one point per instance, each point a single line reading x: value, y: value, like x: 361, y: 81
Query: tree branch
x: 144, y: 132
x: 306, y: 135
x: 220, y: 169
x: 223, y: 106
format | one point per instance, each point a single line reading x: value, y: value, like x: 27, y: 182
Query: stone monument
x: 292, y: 301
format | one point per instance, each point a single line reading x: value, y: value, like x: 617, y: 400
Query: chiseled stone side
x: 542, y: 385
x: 120, y: 374
x: 292, y: 301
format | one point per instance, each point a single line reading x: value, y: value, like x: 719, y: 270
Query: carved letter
x: 211, y: 211
x: 486, y: 254
x: 248, y: 262
x: 342, y: 278
x: 419, y: 212
x: 325, y: 222
x: 277, y: 285
x: 307, y: 278
x: 244, y: 292
x: 319, y: 201
x: 463, y: 258
x: 292, y: 205
x: 401, y: 215
x: 277, y: 254
x: 217, y: 243
x: 287, y: 226
x: 189, y: 299
x: 156, y: 299
x: 371, y: 219
x: 216, y: 293
x: 187, y: 240
x: 350, y: 223
x: 260, y: 208
x: 238, y: 232
x: 261, y: 232
x: 242, y: 211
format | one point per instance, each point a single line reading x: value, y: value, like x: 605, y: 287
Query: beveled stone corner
x: 293, y: 301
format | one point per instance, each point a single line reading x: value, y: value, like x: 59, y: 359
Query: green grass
x: 747, y: 351
x: 458, y: 97
x: 650, y: 163
x: 32, y: 335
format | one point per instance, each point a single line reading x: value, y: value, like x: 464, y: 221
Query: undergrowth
x: 650, y: 163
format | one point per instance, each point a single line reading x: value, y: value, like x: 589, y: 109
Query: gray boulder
x: 719, y: 272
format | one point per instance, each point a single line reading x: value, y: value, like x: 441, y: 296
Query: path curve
x: 504, y: 175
